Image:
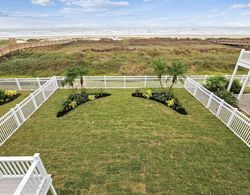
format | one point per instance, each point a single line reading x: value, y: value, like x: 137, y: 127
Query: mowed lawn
x: 126, y: 145
x: 6, y: 107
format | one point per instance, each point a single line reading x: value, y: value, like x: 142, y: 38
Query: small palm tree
x: 159, y: 66
x: 176, y: 69
x: 70, y: 77
x: 81, y: 72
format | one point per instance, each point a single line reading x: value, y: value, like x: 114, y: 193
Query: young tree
x: 70, y: 77
x: 81, y: 72
x: 176, y: 69
x: 159, y: 66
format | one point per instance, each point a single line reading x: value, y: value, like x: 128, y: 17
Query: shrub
x: 227, y: 97
x: 7, y: 96
x: 76, y: 99
x: 162, y: 97
x: 236, y: 86
x: 218, y: 85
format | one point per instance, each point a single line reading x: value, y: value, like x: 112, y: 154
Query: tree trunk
x: 173, y: 82
x: 81, y: 82
x: 160, y: 82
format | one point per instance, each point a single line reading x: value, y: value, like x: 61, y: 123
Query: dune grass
x: 130, y: 57
x: 126, y: 145
x: 6, y: 107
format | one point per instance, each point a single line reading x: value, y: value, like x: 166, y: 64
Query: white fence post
x: 33, y: 101
x: 20, y: 112
x: 84, y: 82
x: 124, y: 80
x: 145, y: 81
x: 38, y: 81
x: 210, y: 100
x: 18, y: 84
x: 105, y: 82
x: 56, y: 84
x: 15, y: 116
x: 205, y: 80
x: 43, y: 93
x: 220, y: 107
x: 232, y: 117
x: 195, y: 90
x: 165, y: 83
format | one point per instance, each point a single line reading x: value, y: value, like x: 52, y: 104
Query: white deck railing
x: 13, y: 119
x: 31, y: 84
x: 230, y: 116
x: 24, y: 176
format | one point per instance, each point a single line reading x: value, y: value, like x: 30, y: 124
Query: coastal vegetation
x: 130, y: 57
x: 218, y: 85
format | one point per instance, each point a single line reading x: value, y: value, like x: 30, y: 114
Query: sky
x: 120, y: 13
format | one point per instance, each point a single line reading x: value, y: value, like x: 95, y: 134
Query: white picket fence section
x: 109, y: 82
x: 13, y: 119
x: 237, y: 122
x: 24, y: 176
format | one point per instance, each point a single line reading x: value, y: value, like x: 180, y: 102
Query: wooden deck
x: 232, y: 42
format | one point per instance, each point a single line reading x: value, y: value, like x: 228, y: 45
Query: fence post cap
x: 36, y: 156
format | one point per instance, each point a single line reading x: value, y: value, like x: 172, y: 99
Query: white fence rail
x: 24, y: 175
x: 237, y: 122
x: 13, y: 119
x: 31, y: 84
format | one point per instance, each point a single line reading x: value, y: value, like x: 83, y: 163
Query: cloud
x: 240, y: 6
x: 245, y: 14
x: 10, y: 14
x: 42, y: 2
x: 94, y: 5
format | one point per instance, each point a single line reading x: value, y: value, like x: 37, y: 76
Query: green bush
x: 227, y: 97
x: 162, y: 96
x: 236, y: 86
x: 7, y: 96
x: 218, y: 85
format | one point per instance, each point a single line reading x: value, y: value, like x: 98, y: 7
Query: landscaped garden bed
x: 76, y: 99
x: 120, y: 145
x: 7, y: 96
x: 6, y: 107
x: 163, y: 97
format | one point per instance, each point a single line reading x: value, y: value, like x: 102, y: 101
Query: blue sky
x: 134, y: 13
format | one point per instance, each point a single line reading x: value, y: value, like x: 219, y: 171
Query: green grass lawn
x: 122, y: 144
x: 6, y: 107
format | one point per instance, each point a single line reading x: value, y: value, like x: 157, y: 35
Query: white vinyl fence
x: 109, y: 82
x: 13, y: 119
x: 230, y: 116
x: 24, y: 176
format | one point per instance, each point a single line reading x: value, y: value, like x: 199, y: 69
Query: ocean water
x: 125, y: 31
